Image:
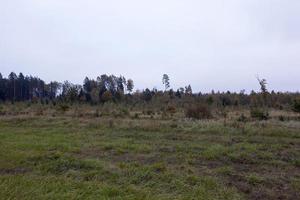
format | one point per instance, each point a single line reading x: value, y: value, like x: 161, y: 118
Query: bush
x: 106, y: 96
x: 2, y: 112
x: 281, y: 118
x: 149, y: 112
x: 198, y: 112
x: 64, y: 107
x: 125, y: 111
x: 171, y: 110
x: 259, y: 114
x: 136, y: 116
x: 97, y: 113
x: 242, y: 118
x: 296, y: 105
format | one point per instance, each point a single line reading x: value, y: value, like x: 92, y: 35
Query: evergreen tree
x: 130, y: 85
x: 166, y: 81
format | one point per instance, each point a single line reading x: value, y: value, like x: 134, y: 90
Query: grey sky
x: 215, y: 44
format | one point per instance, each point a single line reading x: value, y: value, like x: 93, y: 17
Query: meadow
x: 89, y: 153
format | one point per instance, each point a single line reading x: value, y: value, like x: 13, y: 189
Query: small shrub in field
x: 97, y: 113
x: 2, y: 112
x: 281, y: 118
x: 171, y: 110
x: 149, y: 112
x: 259, y: 114
x: 242, y: 118
x: 39, y: 111
x: 296, y: 105
x: 28, y: 104
x: 136, y: 116
x: 64, y: 107
x: 111, y: 123
x: 53, y: 103
x: 198, y: 112
x: 164, y: 115
x: 125, y: 111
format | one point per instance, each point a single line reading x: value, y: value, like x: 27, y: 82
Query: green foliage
x: 149, y: 112
x: 106, y: 96
x: 259, y: 114
x: 254, y: 179
x: 198, y: 112
x: 129, y: 85
x: 166, y: 81
x: 210, y: 100
x: 63, y: 107
x: 296, y: 105
x: 242, y: 118
x: 263, y: 85
x: 171, y: 110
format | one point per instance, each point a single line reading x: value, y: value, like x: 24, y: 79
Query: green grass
x: 91, y: 158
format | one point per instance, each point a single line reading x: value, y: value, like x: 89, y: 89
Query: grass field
x: 44, y: 157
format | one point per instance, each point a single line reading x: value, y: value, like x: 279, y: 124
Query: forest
x: 118, y: 89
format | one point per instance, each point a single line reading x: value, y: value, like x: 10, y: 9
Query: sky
x: 216, y: 44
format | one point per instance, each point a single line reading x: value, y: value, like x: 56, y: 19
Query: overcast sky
x: 210, y: 44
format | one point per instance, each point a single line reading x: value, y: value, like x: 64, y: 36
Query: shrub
x: 39, y: 111
x: 97, y: 113
x: 125, y: 111
x: 64, y: 107
x: 242, y: 118
x: 171, y: 110
x: 111, y: 123
x: 281, y: 118
x: 259, y: 114
x: 149, y: 112
x: 2, y: 112
x: 198, y: 112
x: 296, y: 105
x: 106, y: 96
x: 136, y: 116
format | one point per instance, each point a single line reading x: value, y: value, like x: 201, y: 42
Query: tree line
x: 28, y: 88
x: 111, y: 88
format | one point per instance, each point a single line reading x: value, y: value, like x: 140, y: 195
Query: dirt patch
x: 275, y: 184
x: 116, y: 157
x: 14, y: 171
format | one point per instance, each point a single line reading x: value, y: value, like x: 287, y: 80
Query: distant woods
x: 28, y: 88
x: 118, y: 89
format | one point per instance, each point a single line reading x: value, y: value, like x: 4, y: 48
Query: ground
x: 63, y: 157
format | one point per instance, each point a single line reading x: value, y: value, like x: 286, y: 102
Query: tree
x: 54, y: 87
x: 296, y: 105
x: 21, y: 82
x: 263, y: 89
x: 95, y: 97
x: 87, y: 88
x: 178, y: 94
x: 130, y: 85
x: 2, y: 88
x: 120, y: 84
x: 106, y: 96
x: 166, y: 81
x: 12, y: 82
x: 147, y: 95
x: 70, y: 91
x: 188, y: 90
x: 263, y: 85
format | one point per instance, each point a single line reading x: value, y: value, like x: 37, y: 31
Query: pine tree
x: 166, y: 81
